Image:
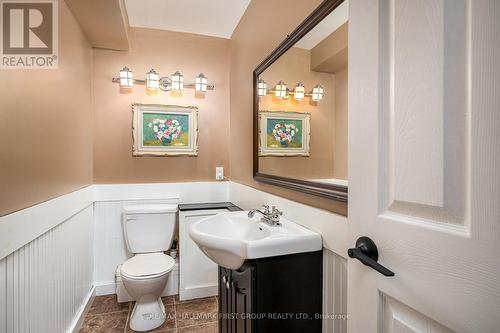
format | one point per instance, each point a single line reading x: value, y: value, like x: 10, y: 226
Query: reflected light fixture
x: 299, y: 91
x: 177, y: 81
x: 126, y: 78
x: 201, y: 83
x: 317, y: 93
x: 262, y: 88
x: 152, y: 80
x: 280, y: 90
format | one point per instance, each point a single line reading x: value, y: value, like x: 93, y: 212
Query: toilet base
x: 147, y: 315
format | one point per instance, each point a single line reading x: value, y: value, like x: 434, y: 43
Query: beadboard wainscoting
x: 334, y: 293
x: 110, y: 247
x: 55, y: 256
x: 46, y: 285
x: 20, y: 228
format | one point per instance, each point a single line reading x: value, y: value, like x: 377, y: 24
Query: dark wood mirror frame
x: 334, y: 192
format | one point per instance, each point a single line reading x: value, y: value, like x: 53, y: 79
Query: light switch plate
x: 219, y: 173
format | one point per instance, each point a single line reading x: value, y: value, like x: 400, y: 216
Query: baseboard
x: 80, y: 317
x: 105, y: 289
x: 193, y: 293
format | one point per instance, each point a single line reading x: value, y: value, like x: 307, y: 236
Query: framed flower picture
x: 284, y: 133
x: 164, y: 130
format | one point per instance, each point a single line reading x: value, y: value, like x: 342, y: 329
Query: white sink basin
x: 231, y: 238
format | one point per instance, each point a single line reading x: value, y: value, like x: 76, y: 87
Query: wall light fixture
x: 177, y: 81
x: 153, y: 81
x: 299, y: 91
x: 317, y: 93
x: 126, y: 78
x: 201, y: 83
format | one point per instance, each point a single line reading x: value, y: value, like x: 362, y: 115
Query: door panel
x: 424, y: 112
x: 398, y: 318
x: 424, y: 150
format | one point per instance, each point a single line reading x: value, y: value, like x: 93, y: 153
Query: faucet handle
x: 266, y: 209
x: 277, y: 211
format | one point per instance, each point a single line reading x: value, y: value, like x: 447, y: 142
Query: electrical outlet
x: 219, y: 173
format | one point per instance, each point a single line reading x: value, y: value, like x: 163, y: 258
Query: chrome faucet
x: 270, y: 217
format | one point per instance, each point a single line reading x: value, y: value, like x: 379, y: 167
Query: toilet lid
x: 148, y: 264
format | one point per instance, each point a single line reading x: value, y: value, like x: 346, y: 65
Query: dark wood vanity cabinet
x: 276, y: 294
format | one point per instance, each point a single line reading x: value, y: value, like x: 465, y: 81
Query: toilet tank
x: 149, y: 228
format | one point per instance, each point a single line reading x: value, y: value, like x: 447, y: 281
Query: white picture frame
x: 182, y: 141
x: 270, y: 147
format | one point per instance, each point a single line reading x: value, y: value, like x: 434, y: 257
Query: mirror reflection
x: 303, y: 106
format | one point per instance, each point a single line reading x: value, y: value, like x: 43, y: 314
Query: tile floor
x: 106, y: 315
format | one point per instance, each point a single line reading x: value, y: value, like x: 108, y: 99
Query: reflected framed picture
x: 284, y: 133
x: 164, y: 130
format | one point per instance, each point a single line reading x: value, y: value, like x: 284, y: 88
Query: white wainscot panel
x: 192, y: 192
x: 335, y: 314
x: 46, y: 284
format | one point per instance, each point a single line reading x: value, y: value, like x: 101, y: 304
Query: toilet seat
x: 147, y: 266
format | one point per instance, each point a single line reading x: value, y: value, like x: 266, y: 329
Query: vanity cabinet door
x: 197, y: 273
x: 242, y: 281
x: 235, y: 300
x: 224, y: 301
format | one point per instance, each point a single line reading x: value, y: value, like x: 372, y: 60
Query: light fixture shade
x: 299, y: 91
x: 152, y: 80
x: 201, y: 83
x: 317, y: 93
x: 126, y: 78
x: 177, y: 81
x: 262, y: 88
x: 280, y: 90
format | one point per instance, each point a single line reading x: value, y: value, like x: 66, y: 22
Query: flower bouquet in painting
x: 166, y: 130
x: 284, y: 133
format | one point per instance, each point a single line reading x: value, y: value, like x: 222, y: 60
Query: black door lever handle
x: 366, y: 252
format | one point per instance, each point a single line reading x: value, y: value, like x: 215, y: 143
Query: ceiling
x: 216, y: 18
x: 326, y: 27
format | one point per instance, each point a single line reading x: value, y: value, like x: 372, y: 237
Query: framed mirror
x: 300, y: 107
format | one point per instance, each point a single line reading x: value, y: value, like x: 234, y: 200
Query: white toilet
x: 148, y: 230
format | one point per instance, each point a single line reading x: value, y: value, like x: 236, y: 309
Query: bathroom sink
x: 231, y: 238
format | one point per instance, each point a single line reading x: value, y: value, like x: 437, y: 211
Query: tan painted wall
x: 330, y: 55
x: 292, y: 67
x: 46, y: 124
x: 340, y: 140
x: 166, y: 52
x: 49, y: 119
x: 105, y: 23
x: 257, y: 34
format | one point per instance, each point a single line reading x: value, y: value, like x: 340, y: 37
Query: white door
x: 424, y: 164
